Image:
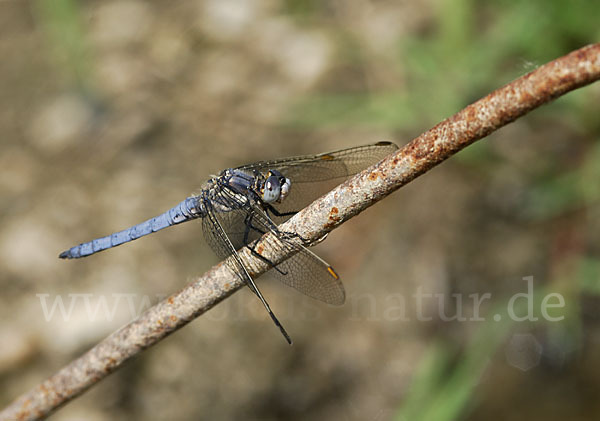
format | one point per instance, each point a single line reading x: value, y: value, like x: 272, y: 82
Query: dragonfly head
x: 275, y: 188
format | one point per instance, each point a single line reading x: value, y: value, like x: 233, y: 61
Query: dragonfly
x: 241, y: 204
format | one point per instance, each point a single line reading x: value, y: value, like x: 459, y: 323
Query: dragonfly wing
x: 314, y: 175
x: 325, y: 166
x: 304, y: 270
x: 219, y: 241
x: 312, y: 276
x: 232, y: 223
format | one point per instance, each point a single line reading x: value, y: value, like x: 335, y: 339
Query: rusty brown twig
x: 476, y: 121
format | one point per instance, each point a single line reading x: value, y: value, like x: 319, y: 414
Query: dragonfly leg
x: 275, y: 212
x: 249, y: 226
x: 252, y: 248
x: 288, y: 235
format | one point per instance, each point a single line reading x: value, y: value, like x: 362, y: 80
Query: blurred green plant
x: 471, y: 48
x: 61, y: 20
x: 443, y: 386
x: 589, y: 275
x: 557, y: 193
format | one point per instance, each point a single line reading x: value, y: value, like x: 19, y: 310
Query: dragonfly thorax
x: 272, y: 187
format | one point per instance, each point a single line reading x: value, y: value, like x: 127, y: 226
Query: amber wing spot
x: 332, y: 272
x: 328, y: 157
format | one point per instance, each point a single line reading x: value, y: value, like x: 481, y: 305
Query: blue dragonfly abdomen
x: 184, y: 211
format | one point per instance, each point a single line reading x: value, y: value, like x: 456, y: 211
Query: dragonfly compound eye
x: 272, y: 189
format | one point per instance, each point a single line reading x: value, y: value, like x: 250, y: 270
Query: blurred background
x: 113, y: 111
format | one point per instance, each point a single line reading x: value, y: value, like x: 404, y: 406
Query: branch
x: 476, y: 121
